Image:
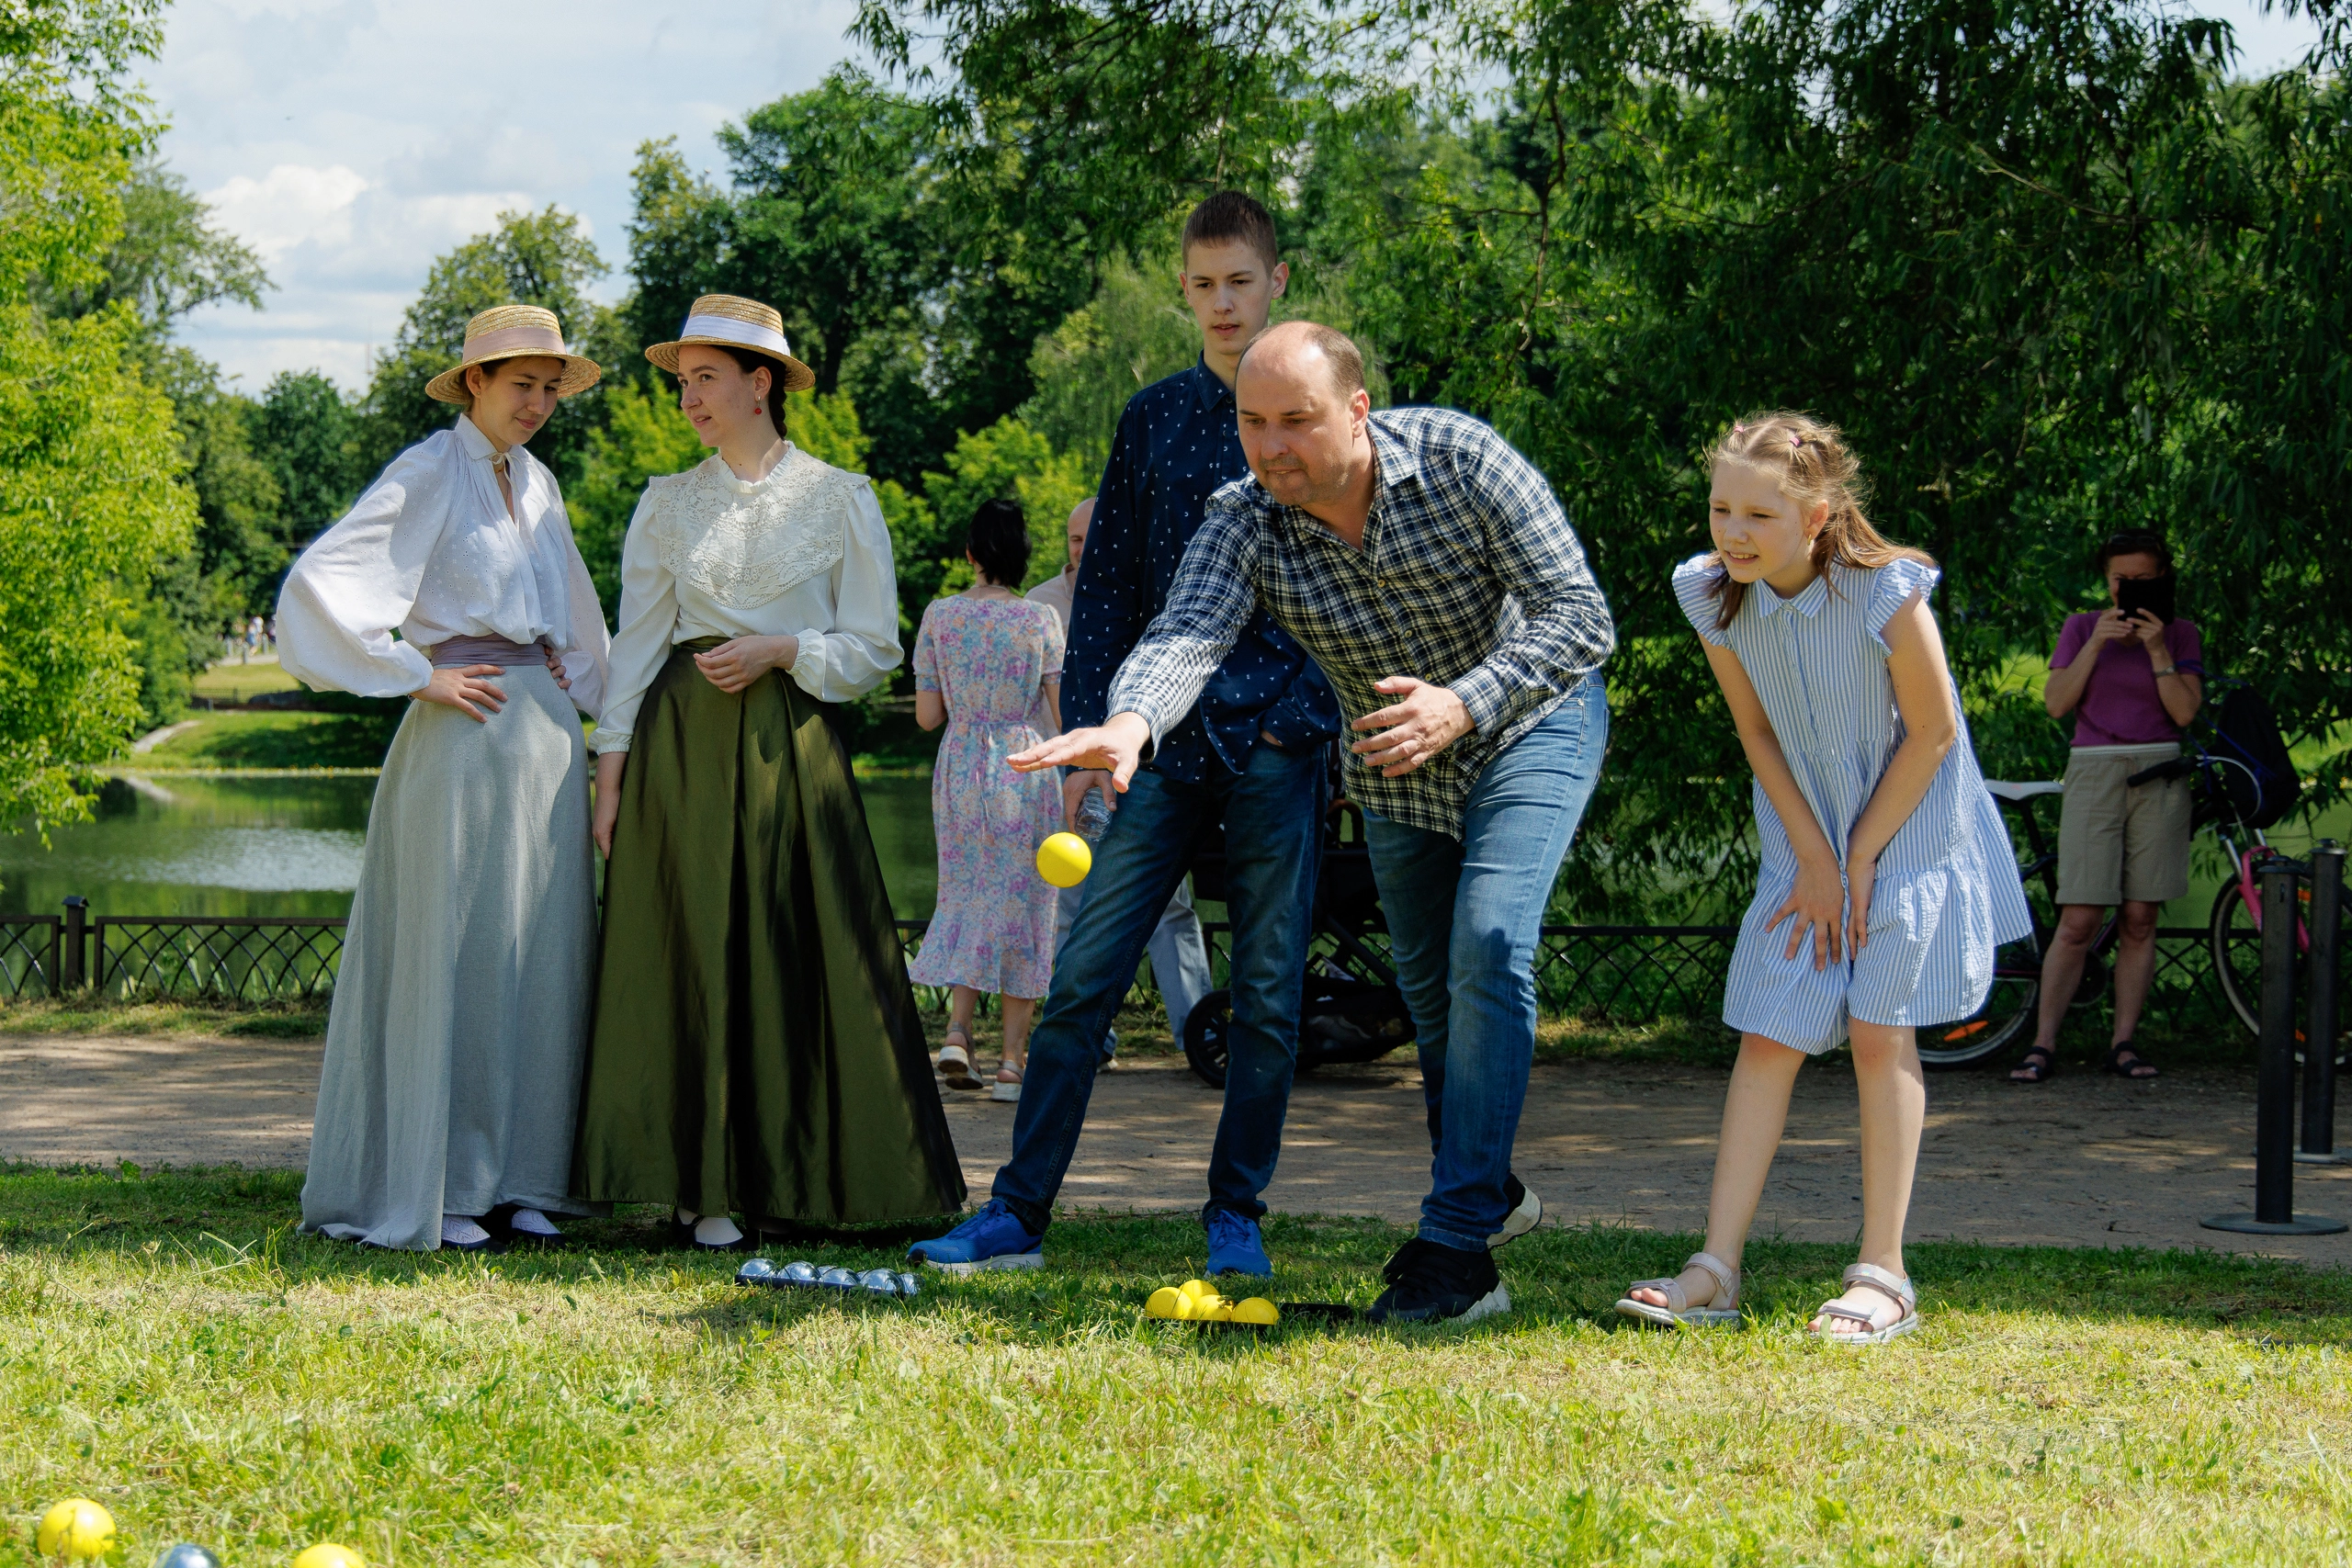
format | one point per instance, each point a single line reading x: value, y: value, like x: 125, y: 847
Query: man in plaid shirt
x: 1412, y: 540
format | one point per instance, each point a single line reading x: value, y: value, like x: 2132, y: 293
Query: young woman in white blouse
x: 756, y: 1049
x: 452, y: 1073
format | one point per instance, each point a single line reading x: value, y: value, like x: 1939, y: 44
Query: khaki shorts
x: 2116, y: 842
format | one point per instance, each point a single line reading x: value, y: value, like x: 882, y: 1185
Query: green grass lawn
x: 262, y: 739
x: 170, y: 1348
x: 230, y: 681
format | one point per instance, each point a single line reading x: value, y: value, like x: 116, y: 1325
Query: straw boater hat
x: 730, y: 321
x: 513, y: 331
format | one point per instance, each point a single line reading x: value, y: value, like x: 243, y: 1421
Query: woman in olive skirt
x: 756, y: 1049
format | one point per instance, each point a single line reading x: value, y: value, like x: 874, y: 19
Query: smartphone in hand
x: 2153, y: 594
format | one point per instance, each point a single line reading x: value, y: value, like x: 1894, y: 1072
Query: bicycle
x: 2234, y: 927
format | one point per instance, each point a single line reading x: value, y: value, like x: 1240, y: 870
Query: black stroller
x: 1353, y: 1010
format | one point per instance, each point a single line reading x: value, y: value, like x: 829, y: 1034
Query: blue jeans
x: 1179, y: 959
x: 1272, y: 815
x: 1464, y: 920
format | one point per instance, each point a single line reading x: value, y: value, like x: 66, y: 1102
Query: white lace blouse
x: 430, y: 552
x: 802, y: 553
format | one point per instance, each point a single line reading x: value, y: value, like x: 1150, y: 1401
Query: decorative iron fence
x: 1604, y: 973
x: 29, y: 955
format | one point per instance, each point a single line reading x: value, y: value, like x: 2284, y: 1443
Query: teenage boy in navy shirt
x: 1250, y: 755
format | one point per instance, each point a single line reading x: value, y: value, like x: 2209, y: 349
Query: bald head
x: 1081, y: 518
x: 1302, y: 348
x: 1301, y: 405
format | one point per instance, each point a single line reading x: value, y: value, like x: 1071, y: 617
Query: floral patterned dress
x: 993, y: 925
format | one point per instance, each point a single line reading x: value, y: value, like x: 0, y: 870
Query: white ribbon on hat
x: 510, y: 341
x: 749, y: 334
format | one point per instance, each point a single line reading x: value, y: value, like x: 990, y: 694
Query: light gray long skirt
x: 454, y: 1046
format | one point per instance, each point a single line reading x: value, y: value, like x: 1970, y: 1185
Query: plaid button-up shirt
x: 1469, y: 578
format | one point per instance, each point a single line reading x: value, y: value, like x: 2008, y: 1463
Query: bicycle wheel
x: 2236, y: 944
x: 2007, y: 1013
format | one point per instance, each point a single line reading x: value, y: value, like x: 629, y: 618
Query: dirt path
x: 2080, y: 1162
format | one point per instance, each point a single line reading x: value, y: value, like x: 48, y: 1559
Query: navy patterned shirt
x: 1469, y: 578
x: 1178, y: 444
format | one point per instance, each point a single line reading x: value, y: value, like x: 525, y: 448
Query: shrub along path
x: 2082, y: 1161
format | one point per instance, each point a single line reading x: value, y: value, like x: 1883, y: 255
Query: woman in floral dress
x: 988, y: 665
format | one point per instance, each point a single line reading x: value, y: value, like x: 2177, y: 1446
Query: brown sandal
x: 2041, y: 1064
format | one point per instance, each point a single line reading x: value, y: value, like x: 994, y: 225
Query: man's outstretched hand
x: 1426, y: 721
x: 1114, y: 746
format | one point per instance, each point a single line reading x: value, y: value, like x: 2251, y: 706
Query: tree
x: 830, y: 218
x: 308, y: 433
x: 168, y: 260
x: 531, y: 258
x: 90, y: 498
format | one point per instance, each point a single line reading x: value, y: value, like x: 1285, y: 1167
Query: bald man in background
x: 1179, y: 958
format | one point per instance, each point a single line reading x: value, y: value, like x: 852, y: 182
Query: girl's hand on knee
x: 1817, y: 903
x: 1862, y: 876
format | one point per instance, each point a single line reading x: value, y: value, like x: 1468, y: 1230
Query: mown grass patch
x: 170, y: 1346
x: 96, y: 1013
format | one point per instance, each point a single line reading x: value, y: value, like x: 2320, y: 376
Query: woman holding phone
x: 2130, y: 676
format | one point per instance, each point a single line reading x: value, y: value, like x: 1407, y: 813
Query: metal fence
x: 1603, y: 974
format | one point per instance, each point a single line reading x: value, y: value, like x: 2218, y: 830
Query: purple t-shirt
x: 2121, y: 705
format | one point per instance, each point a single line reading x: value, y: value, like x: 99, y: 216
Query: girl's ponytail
x: 1812, y: 464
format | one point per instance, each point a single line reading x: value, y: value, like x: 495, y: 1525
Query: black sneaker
x: 1429, y: 1282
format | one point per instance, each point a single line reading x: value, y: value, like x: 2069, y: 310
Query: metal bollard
x: 2319, y: 1011
x: 2274, y: 1106
x: 73, y: 973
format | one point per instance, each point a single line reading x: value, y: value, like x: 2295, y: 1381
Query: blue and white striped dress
x: 1946, y: 893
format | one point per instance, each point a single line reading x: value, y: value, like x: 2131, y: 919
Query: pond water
x: 164, y: 844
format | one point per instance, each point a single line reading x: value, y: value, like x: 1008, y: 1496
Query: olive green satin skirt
x: 756, y: 1048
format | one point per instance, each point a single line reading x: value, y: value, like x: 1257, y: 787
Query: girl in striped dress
x: 1887, y: 880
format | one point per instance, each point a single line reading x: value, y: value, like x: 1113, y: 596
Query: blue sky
x: 352, y: 142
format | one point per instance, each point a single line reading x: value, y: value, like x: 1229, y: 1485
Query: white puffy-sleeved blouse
x: 802, y: 553
x: 430, y: 552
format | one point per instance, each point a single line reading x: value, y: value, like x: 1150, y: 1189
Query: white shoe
x: 1006, y: 1088
x: 1524, y: 1216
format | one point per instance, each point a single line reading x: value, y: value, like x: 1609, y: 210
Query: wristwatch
x: 2168, y: 670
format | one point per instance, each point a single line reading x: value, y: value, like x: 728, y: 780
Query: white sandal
x: 1722, y: 1307
x: 1892, y: 1286
x: 955, y: 1062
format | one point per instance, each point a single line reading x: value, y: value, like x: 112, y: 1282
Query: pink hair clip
x: 1796, y: 442
x: 1739, y: 430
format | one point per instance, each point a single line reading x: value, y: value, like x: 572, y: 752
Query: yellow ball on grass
x: 76, y: 1529
x: 1257, y: 1310
x: 1064, y: 860
x: 1166, y: 1301
x: 327, y: 1555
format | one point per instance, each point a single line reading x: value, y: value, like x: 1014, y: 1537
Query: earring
x: 756, y: 408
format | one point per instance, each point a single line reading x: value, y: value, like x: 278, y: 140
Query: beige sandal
x: 1007, y: 1087
x: 1891, y: 1285
x: 1721, y: 1308
x: 955, y: 1061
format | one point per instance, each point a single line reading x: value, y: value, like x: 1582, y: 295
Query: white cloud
x: 288, y: 206
x: 350, y: 142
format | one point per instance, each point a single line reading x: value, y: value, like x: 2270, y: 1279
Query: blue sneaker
x: 993, y: 1238
x: 1234, y: 1246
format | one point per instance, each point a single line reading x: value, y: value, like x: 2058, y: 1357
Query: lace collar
x: 741, y: 543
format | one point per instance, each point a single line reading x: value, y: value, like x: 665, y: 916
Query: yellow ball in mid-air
x: 1257, y: 1310
x: 1064, y: 860
x: 1166, y: 1301
x: 76, y: 1529
x: 327, y: 1555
